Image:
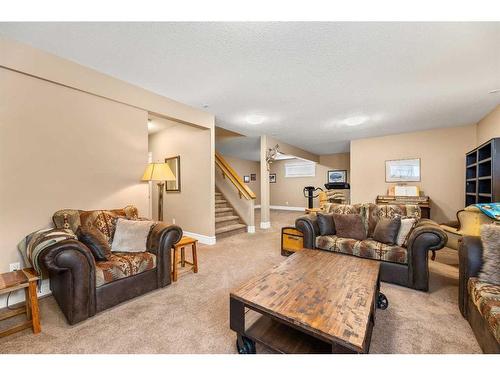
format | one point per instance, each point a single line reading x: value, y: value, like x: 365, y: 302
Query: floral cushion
x: 368, y: 248
x: 486, y: 297
x: 121, y: 265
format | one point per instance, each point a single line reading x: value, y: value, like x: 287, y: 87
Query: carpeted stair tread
x: 221, y: 219
x: 223, y: 209
x: 229, y: 228
x: 220, y: 201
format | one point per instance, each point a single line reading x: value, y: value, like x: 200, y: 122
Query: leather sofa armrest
x: 426, y: 236
x: 308, y: 225
x: 160, y: 241
x: 470, y: 261
x: 71, y: 268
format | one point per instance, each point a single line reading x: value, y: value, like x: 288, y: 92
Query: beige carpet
x: 191, y: 315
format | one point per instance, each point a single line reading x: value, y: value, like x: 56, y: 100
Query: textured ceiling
x: 303, y: 78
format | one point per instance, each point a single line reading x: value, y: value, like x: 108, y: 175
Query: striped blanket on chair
x: 34, y: 243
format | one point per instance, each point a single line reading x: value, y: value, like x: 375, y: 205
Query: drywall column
x: 265, y: 215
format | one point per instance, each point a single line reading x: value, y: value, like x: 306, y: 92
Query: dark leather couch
x: 72, y: 268
x: 410, y: 265
x: 470, y: 253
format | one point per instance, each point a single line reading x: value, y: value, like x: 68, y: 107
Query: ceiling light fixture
x: 255, y: 119
x: 355, y: 120
x: 494, y: 91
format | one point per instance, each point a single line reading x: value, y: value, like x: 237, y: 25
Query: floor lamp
x: 160, y: 172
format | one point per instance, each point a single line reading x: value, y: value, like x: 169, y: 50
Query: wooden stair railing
x: 230, y: 173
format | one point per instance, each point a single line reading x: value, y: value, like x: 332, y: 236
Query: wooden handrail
x: 236, y: 180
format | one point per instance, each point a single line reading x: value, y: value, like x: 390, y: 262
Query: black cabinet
x: 482, y: 173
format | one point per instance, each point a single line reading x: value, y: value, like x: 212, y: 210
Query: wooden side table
x: 25, y: 279
x: 185, y: 241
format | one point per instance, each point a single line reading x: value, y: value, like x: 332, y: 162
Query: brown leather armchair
x: 76, y: 278
x: 473, y: 293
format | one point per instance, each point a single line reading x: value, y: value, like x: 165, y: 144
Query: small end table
x: 185, y: 241
x: 23, y: 279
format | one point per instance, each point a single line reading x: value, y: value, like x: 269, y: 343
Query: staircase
x: 227, y: 222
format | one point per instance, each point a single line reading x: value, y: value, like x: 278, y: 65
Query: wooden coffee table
x: 313, y: 302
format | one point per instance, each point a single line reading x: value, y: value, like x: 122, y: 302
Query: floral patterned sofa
x: 405, y: 265
x: 83, y: 286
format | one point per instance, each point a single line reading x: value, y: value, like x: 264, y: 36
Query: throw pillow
x: 131, y: 236
x: 95, y: 241
x: 490, y: 237
x: 326, y: 207
x: 404, y: 230
x: 386, y: 230
x: 349, y: 226
x: 326, y: 224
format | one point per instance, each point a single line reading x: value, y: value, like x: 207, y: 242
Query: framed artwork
x: 175, y: 165
x: 339, y: 175
x: 253, y: 177
x: 272, y: 178
x: 246, y: 179
x: 402, y: 170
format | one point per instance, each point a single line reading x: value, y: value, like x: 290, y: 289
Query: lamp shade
x: 158, y: 172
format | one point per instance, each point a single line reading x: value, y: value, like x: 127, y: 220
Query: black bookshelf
x: 482, y: 173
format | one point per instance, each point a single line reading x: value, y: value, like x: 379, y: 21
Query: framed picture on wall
x: 339, y: 175
x: 253, y: 177
x: 175, y: 165
x: 402, y: 170
x: 246, y: 179
x: 272, y: 178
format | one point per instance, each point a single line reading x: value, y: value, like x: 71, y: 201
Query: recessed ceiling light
x: 494, y: 91
x: 205, y: 105
x: 355, y: 120
x: 255, y: 119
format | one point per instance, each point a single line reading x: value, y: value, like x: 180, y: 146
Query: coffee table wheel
x: 245, y: 345
x: 382, y: 301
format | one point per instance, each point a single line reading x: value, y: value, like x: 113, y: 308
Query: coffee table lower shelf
x: 281, y: 338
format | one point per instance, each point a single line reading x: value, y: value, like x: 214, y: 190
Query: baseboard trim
x: 265, y: 224
x: 251, y: 229
x: 287, y: 208
x: 207, y: 240
x: 18, y: 296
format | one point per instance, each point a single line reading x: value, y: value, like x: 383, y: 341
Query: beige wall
x: 192, y: 208
x: 489, y: 126
x: 245, y: 168
x: 288, y: 191
x: 38, y: 63
x: 442, y: 153
x: 61, y: 148
x: 337, y: 161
